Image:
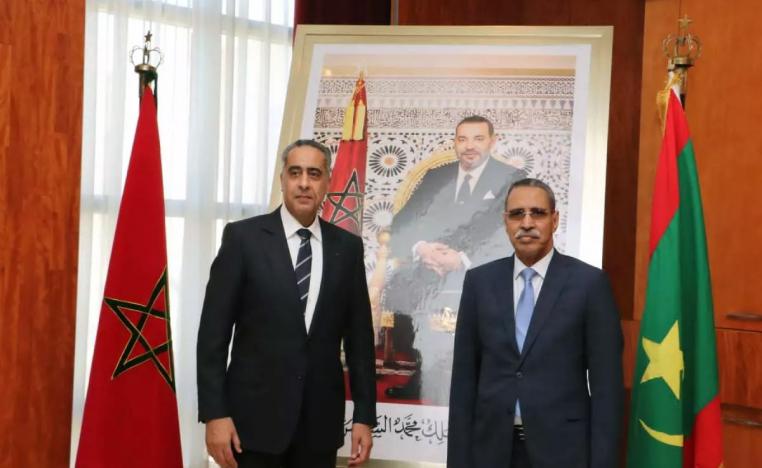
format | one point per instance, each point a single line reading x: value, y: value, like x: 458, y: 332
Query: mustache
x: 521, y: 233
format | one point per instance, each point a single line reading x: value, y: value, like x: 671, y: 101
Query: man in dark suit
x: 537, y: 372
x: 450, y: 223
x: 288, y: 288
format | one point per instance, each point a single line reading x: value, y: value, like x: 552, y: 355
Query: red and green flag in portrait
x: 675, y: 413
x: 344, y: 202
x: 130, y: 416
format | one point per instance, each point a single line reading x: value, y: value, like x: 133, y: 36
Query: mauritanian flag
x: 675, y: 414
x: 344, y: 203
x: 130, y: 415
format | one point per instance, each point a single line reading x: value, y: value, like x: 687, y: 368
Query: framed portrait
x: 387, y: 101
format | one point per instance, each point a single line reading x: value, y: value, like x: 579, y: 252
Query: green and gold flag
x: 675, y: 414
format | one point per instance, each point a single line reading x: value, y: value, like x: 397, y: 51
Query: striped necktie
x: 303, y: 266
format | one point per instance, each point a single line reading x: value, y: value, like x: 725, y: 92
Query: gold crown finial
x: 682, y: 49
x: 150, y: 59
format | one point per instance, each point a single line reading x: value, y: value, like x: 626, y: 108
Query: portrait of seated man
x: 448, y: 223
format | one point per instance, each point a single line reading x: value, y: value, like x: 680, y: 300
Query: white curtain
x: 222, y: 86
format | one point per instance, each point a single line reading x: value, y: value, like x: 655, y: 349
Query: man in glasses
x: 537, y: 372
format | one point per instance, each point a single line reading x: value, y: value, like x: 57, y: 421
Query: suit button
x: 519, y: 374
x: 300, y: 377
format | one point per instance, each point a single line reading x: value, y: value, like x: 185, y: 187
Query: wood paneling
x: 740, y: 361
x: 723, y: 121
x: 742, y: 430
x: 622, y: 171
x: 631, y: 332
x: 723, y: 114
x: 725, y: 125
x: 41, y: 71
x: 342, y: 12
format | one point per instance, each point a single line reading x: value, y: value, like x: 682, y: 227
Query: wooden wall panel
x: 740, y: 362
x: 660, y: 20
x: 622, y: 171
x: 342, y: 12
x: 723, y: 121
x: 723, y: 114
x: 41, y: 71
x: 741, y: 436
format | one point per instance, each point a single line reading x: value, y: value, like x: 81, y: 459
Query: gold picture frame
x: 494, y: 52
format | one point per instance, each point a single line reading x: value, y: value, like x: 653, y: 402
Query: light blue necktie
x: 524, y: 310
x: 525, y: 307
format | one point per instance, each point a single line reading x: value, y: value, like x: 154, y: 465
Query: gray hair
x: 537, y: 183
x: 313, y: 144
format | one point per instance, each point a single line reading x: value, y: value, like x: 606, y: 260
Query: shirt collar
x: 475, y: 173
x: 541, y: 267
x: 291, y: 225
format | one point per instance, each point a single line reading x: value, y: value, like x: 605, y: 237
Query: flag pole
x: 146, y: 70
x: 131, y: 398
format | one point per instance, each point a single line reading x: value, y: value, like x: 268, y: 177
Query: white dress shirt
x: 475, y: 174
x: 290, y: 226
x: 541, y: 268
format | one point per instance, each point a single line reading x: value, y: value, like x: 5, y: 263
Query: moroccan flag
x: 130, y: 416
x: 344, y: 202
x: 675, y: 414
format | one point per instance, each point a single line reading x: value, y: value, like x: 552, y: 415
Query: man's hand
x: 429, y: 253
x: 439, y: 257
x: 362, y: 441
x: 220, y: 435
x: 449, y: 260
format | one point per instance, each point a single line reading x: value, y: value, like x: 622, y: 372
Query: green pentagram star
x: 150, y: 353
x: 337, y: 199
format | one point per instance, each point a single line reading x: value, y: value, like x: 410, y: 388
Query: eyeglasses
x: 519, y: 213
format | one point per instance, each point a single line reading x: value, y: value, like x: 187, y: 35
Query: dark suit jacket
x: 574, y: 331
x: 278, y: 370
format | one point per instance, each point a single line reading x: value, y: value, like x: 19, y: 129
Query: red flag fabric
x: 675, y: 417
x: 344, y: 203
x: 130, y: 416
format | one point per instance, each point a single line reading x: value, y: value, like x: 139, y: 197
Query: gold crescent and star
x: 665, y: 361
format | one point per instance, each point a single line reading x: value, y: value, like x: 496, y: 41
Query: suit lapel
x: 447, y: 179
x: 485, y: 182
x: 330, y: 245
x: 552, y: 285
x: 280, y: 260
x: 503, y: 288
